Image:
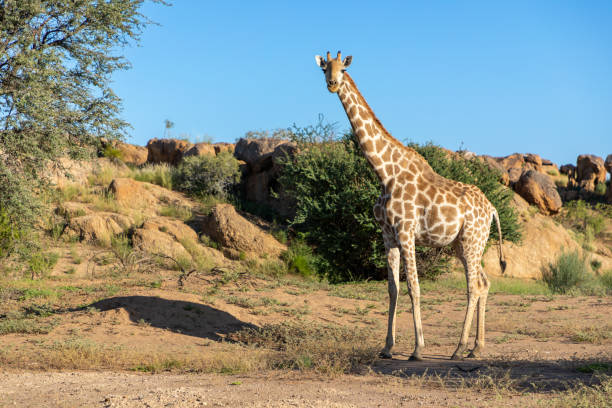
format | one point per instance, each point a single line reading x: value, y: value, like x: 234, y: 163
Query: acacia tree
x: 56, y: 61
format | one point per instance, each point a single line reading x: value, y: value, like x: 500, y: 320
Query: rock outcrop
x: 175, y: 228
x: 516, y: 164
x: 131, y: 192
x: 590, y: 171
x: 69, y: 171
x: 145, y: 197
x: 99, y: 227
x: 200, y: 149
x: 128, y: 153
x: 262, y: 171
x: 236, y: 234
x: 540, y: 190
x: 156, y: 242
x: 169, y: 151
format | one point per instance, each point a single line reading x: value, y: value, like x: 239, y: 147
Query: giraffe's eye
x: 343, y: 70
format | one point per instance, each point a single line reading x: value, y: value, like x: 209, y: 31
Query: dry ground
x: 233, y: 338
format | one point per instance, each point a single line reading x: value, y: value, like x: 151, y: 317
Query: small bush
x: 600, y: 189
x: 159, y: 174
x: 300, y: 259
x: 581, y: 217
x: 177, y: 211
x: 207, y: 175
x: 40, y: 264
x: 10, y: 233
x: 566, y: 273
x: 112, y: 153
x: 606, y: 280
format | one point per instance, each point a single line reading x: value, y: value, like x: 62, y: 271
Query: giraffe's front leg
x: 393, y: 260
x: 414, y: 290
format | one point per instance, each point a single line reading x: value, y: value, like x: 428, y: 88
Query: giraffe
x: 418, y: 207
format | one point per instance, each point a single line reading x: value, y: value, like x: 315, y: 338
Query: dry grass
x: 595, y: 335
x: 328, y: 349
x: 78, y: 353
x: 584, y: 396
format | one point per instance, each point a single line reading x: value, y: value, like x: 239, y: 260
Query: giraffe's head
x: 334, y: 70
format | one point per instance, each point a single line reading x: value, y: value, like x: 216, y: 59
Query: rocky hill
x: 107, y: 204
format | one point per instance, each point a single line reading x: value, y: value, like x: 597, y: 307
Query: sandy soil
x: 108, y: 389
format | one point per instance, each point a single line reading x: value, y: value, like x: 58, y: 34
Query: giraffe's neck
x: 384, y: 153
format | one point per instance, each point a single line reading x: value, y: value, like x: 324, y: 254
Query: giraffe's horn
x: 328, y: 56
x: 338, y: 56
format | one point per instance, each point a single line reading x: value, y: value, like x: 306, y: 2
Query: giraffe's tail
x: 502, y: 260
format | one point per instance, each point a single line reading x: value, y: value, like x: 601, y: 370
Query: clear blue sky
x: 493, y: 77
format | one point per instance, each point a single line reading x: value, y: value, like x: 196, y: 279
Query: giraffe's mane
x: 393, y: 140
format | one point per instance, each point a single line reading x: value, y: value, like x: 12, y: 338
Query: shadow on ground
x: 189, y: 318
x: 537, y: 375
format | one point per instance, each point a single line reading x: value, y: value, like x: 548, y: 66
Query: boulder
x: 70, y: 171
x: 167, y: 150
x: 145, y: 197
x: 224, y: 147
x: 156, y: 242
x: 494, y: 164
x: 71, y: 209
x: 175, y: 228
x: 608, y: 163
x: 590, y: 171
x: 513, y: 165
x: 129, y: 153
x: 200, y: 149
x: 260, y: 154
x: 567, y: 169
x: 130, y: 192
x: 262, y: 172
x: 99, y: 227
x: 132, y: 154
x: 533, y: 162
x: 540, y: 190
x: 233, y: 231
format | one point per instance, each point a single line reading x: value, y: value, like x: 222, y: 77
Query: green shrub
x: 40, y: 264
x: 160, y: 174
x: 334, y: 189
x: 566, y: 273
x: 207, y: 175
x: 606, y: 280
x: 10, y: 233
x: 112, y: 153
x: 600, y: 189
x: 300, y: 259
x: 584, y: 218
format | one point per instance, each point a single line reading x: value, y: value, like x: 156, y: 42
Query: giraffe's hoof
x: 385, y: 354
x: 457, y: 356
x: 474, y: 354
x: 415, y: 357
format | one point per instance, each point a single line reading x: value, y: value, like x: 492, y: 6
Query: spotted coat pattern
x: 418, y: 207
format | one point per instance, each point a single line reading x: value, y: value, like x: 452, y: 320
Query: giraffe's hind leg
x: 477, y: 289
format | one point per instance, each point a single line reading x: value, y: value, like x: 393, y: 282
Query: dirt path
x: 109, y: 389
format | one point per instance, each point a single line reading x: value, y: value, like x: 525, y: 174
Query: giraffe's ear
x: 320, y: 61
x: 347, y: 61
